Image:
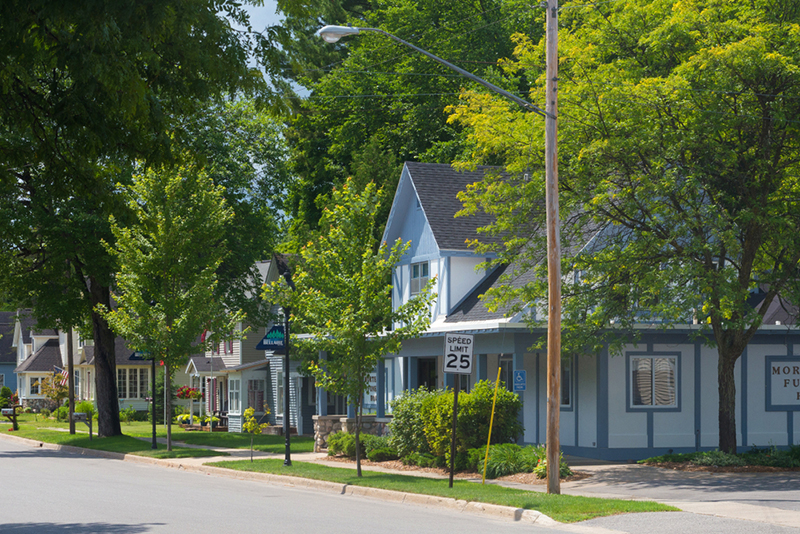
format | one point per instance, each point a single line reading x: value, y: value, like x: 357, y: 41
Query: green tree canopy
x: 86, y: 89
x: 342, y: 298
x: 168, y: 259
x: 678, y: 168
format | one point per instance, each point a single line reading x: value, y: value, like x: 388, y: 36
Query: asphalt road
x: 45, y: 491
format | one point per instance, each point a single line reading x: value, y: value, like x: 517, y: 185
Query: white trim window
x: 653, y: 381
x: 419, y: 277
x: 255, y: 394
x: 132, y: 383
x: 234, y: 395
x: 34, y: 385
x: 77, y: 383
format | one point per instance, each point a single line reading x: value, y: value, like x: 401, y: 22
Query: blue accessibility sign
x: 520, y: 381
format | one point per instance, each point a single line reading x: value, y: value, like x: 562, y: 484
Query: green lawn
x: 564, y: 508
x: 121, y: 444
x: 144, y: 429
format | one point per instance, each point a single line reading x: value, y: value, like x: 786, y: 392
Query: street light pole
x: 332, y: 34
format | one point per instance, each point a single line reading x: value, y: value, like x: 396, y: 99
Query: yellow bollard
x: 491, y: 422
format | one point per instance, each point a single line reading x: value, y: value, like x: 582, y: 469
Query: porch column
x: 322, y: 394
x: 449, y: 380
x: 412, y: 373
x: 481, y: 369
x: 351, y: 409
x: 381, y: 388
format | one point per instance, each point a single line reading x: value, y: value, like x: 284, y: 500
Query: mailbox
x: 7, y: 411
x: 79, y: 417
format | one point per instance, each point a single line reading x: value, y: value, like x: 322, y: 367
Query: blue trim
x: 322, y: 397
x: 650, y: 429
x: 678, y: 385
x: 447, y: 280
x: 743, y: 400
x: 449, y: 382
x: 574, y: 396
x: 698, y: 394
x: 602, y: 398
x: 482, y: 369
x: 381, y: 388
x: 538, y: 396
x: 768, y: 383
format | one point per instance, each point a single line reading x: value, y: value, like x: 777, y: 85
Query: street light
x: 332, y: 34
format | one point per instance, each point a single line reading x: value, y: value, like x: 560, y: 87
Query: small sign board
x: 458, y: 353
x: 7, y: 411
x: 274, y: 340
x: 520, y: 380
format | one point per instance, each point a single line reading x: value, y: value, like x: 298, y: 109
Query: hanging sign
x: 274, y: 340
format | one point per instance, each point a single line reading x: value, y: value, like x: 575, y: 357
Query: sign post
x: 457, y: 360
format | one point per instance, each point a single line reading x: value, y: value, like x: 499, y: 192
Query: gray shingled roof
x: 202, y: 365
x: 437, y: 186
x: 122, y: 354
x: 43, y: 360
x: 473, y: 309
x: 28, y: 326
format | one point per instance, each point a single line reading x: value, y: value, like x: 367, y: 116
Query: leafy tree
x: 679, y: 163
x: 342, y: 298
x: 52, y: 388
x: 369, y: 88
x: 167, y: 268
x: 252, y: 426
x: 86, y: 89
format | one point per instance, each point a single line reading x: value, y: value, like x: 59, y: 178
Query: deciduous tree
x: 679, y: 156
x: 342, y: 298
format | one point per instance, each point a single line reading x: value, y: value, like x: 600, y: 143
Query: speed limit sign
x: 458, y: 353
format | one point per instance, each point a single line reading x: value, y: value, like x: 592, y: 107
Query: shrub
x: 85, y: 407
x: 127, y: 415
x: 541, y: 468
x: 62, y: 413
x: 718, y: 458
x: 342, y: 443
x: 45, y: 413
x: 407, y: 429
x: 370, y: 442
x: 475, y: 412
x: 5, y: 396
x: 382, y: 455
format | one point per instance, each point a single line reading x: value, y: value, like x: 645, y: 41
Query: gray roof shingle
x: 437, y: 187
x: 43, y: 360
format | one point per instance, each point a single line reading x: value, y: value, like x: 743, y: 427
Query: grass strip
x: 121, y: 444
x: 144, y: 429
x: 564, y: 508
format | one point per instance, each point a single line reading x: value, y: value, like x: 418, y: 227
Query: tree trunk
x: 727, y: 399
x: 105, y: 364
x: 168, y: 396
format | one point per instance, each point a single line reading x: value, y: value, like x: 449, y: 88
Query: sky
x: 261, y: 17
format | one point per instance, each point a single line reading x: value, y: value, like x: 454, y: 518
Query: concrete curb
x: 416, y: 499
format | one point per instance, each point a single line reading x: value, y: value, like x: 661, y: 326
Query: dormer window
x: 419, y: 277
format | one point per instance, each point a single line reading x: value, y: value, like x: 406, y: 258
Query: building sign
x: 783, y: 383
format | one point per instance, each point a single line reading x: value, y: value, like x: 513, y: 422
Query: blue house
x: 657, y: 395
x: 8, y: 355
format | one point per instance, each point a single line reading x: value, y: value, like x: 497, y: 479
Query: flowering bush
x: 186, y: 392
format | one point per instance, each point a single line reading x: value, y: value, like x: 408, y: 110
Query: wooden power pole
x: 553, y: 254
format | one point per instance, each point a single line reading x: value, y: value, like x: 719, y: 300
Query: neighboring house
x: 39, y: 352
x: 8, y: 356
x: 658, y: 395
x: 241, y: 376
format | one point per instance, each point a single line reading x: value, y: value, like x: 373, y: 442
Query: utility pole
x: 553, y: 254
x: 70, y: 381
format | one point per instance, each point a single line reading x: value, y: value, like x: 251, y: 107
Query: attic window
x: 419, y: 277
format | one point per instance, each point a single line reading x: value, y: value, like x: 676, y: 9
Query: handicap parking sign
x: 520, y: 381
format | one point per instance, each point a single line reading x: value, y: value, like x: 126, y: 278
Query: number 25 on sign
x: 458, y: 353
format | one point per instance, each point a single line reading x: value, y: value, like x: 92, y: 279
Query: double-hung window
x: 122, y: 383
x: 653, y: 381
x: 34, y: 389
x: 419, y: 277
x: 132, y: 383
x: 566, y: 382
x: 234, y: 388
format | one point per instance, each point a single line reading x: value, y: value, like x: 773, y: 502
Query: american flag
x: 64, y: 375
